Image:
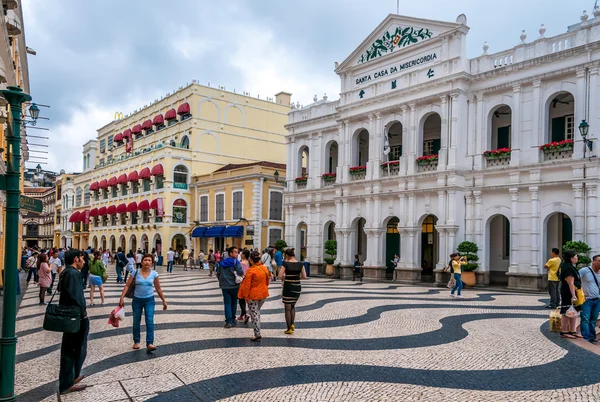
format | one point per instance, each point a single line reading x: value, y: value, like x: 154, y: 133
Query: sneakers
x: 460, y: 297
x: 256, y: 339
x: 452, y: 295
x: 227, y: 326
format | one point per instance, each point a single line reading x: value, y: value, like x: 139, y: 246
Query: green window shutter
x: 400, y: 152
x: 437, y: 144
x: 567, y: 230
x: 558, y: 129
x: 507, y: 239
x: 503, y: 137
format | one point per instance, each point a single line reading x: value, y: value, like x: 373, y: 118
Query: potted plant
x: 391, y: 164
x: 556, y: 146
x: 582, y: 250
x: 427, y: 159
x: 501, y: 153
x: 301, y: 180
x: 280, y: 245
x: 331, y: 249
x: 356, y: 170
x: 329, y: 176
x: 469, y: 251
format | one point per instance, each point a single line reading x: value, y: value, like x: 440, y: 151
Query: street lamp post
x: 10, y: 182
x: 584, y: 128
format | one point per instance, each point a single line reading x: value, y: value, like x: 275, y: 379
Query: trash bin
x: 160, y: 261
x: 306, y: 267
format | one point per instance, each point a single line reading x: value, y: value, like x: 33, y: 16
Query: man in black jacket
x: 74, y: 345
x: 120, y: 264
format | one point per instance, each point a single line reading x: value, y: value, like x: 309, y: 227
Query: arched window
x: 185, y: 142
x: 78, y: 197
x: 173, y: 143
x: 84, y: 162
x: 179, y: 211
x: 88, y: 161
x: 180, y: 177
x: 86, y: 195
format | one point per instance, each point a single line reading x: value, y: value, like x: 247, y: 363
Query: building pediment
x: 395, y: 34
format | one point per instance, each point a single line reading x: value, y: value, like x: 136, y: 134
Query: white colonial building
x: 410, y: 85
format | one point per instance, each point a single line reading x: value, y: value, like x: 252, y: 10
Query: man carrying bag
x: 73, y: 350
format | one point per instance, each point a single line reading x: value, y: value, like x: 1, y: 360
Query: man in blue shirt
x: 278, y: 261
x: 590, y: 283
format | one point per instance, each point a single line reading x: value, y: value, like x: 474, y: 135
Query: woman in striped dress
x: 291, y: 274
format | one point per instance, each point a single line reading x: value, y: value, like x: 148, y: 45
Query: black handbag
x: 62, y: 318
x: 131, y: 289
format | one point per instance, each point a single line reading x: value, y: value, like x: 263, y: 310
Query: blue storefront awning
x: 199, y: 232
x: 215, y: 231
x: 234, y: 231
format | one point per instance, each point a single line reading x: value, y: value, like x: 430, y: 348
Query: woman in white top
x: 105, y: 258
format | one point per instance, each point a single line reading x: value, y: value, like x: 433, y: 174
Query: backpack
x: 30, y: 263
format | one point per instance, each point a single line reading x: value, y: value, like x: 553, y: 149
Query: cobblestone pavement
x: 353, y: 342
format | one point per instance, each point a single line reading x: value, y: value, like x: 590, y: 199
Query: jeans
x: 458, y: 285
x: 589, y: 315
x: 34, y: 272
x: 73, y: 352
x: 119, y: 275
x: 554, y: 290
x: 148, y: 305
x: 230, y: 301
x: 53, y: 274
x: 169, y: 266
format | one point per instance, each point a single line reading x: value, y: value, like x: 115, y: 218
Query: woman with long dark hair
x: 291, y: 274
x: 255, y: 289
x: 44, y: 276
x: 570, y: 281
x: 245, y: 262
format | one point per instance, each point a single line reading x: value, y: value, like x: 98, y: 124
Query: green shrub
x: 469, y: 250
x: 280, y: 244
x: 331, y: 249
x: 582, y: 250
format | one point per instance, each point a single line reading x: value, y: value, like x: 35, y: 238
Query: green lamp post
x: 10, y: 182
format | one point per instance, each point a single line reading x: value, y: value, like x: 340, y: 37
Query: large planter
x: 468, y: 278
x: 329, y: 270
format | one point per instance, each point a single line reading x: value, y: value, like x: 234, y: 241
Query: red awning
x: 111, y: 210
x: 133, y: 176
x: 132, y: 207
x: 82, y: 216
x: 158, y: 119
x: 75, y: 217
x: 127, y: 133
x: 147, y: 125
x: 118, y: 137
x: 136, y: 129
x: 102, y: 211
x: 112, y: 181
x: 103, y: 184
x: 158, y: 170
x: 94, y: 212
x: 145, y: 173
x: 143, y: 205
x: 122, y: 179
x: 154, y: 204
x: 94, y: 186
x: 121, y: 208
x: 184, y: 108
x: 171, y: 114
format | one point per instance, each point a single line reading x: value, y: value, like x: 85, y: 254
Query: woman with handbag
x: 44, y: 276
x: 245, y: 263
x: 570, y: 284
x: 140, y: 287
x: 97, y: 275
x: 291, y: 274
x: 255, y: 289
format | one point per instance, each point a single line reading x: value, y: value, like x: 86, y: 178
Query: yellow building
x: 239, y: 205
x: 134, y: 191
x: 14, y: 71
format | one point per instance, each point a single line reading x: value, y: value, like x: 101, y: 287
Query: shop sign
x: 250, y: 230
x: 160, y: 211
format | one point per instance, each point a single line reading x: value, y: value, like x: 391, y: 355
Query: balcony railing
x: 558, y: 154
x: 495, y: 162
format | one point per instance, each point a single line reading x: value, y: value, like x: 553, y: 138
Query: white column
x: 339, y: 168
x: 414, y: 142
x: 377, y: 145
x: 469, y: 216
x: 443, y: 154
x: 472, y: 131
x: 451, y: 246
x: 371, y: 154
x: 411, y: 257
x: 514, y: 230
x: 535, y: 230
x: 443, y: 250
x: 347, y: 152
x: 515, y: 135
x: 451, y: 218
x: 591, y: 238
x: 406, y: 142
x: 314, y: 170
x: 536, y: 121
x: 479, y: 224
x: 580, y: 113
x: 441, y: 207
x: 456, y: 129
x: 578, y: 222
x: 411, y: 211
x: 481, y: 135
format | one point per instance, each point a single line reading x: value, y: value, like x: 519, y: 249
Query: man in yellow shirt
x: 185, y: 254
x: 553, y: 265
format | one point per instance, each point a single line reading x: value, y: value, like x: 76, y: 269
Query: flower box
x: 391, y: 164
x: 301, y: 180
x: 329, y: 176
x: 501, y: 153
x: 357, y: 170
x: 555, y: 146
x: 427, y: 159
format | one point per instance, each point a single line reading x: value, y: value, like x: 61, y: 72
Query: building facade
x: 38, y: 177
x: 239, y: 205
x: 14, y: 71
x: 38, y: 228
x: 65, y: 200
x: 430, y: 148
x: 135, y: 189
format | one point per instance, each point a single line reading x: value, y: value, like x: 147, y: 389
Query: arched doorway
x: 113, y: 243
x: 303, y: 165
x: 432, y: 134
x: 95, y: 243
x: 328, y: 234
x: 392, y: 245
x: 331, y: 155
x: 122, y: 243
x: 63, y: 241
x: 561, y: 117
x: 395, y: 140
x: 133, y: 246
x: 361, y: 148
x: 358, y: 243
x: 144, y: 243
x: 429, y: 247
x: 157, y: 244
x: 498, y: 255
x: 178, y: 242
x: 558, y: 231
x: 103, y: 243
x: 500, y: 126
x: 301, y: 240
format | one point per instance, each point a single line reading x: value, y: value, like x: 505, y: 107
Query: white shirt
x: 138, y: 258
x: 104, y: 258
x: 201, y: 257
x: 55, y: 263
x: 170, y: 255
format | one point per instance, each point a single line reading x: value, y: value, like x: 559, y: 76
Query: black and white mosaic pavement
x: 353, y: 342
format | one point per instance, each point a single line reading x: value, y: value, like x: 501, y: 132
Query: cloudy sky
x: 98, y: 57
